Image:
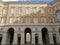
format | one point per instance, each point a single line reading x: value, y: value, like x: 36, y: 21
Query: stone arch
x: 45, y: 35
x: 28, y: 35
x: 10, y: 35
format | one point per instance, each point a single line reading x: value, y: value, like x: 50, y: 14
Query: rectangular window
x: 58, y: 18
x: 3, y: 20
x: 11, y: 20
x: 20, y: 11
x: 35, y: 20
x: 43, y: 19
x: 0, y: 13
x: 27, y: 11
x: 56, y: 7
x: 49, y: 10
x: 5, y: 11
x: 19, y: 19
x: 35, y: 10
x: 12, y: 10
x: 42, y: 10
x: 51, y: 20
x: 27, y: 20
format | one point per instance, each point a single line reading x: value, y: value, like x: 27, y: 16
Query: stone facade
x: 37, y: 36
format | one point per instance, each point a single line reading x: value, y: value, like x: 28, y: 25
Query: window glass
x: 58, y: 16
x: 11, y: 20
x: 35, y: 10
x: 12, y: 10
x: 27, y: 10
x: 20, y: 11
x: 51, y: 20
x: 35, y: 20
x: 5, y: 11
x: 3, y: 20
x: 42, y: 10
x: 43, y: 20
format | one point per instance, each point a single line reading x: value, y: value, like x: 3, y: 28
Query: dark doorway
x: 36, y: 38
x: 19, y: 39
x: 10, y: 35
x: 0, y: 38
x: 59, y: 30
x: 54, y: 38
x: 27, y: 36
x: 45, y: 36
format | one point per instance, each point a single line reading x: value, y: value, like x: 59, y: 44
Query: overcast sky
x: 30, y: 0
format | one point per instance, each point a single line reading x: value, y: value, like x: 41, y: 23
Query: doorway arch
x: 27, y: 36
x: 10, y: 34
x: 45, y: 36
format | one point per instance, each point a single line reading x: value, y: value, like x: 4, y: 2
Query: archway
x: 10, y: 35
x: 45, y: 36
x: 27, y: 36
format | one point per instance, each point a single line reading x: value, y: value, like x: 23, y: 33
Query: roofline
x: 12, y: 2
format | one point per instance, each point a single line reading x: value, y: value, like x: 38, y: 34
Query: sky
x: 31, y: 0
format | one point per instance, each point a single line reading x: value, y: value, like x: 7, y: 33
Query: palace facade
x: 30, y: 22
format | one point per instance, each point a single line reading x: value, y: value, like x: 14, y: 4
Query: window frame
x: 19, y: 21
x: 57, y: 16
x: 3, y: 20
x: 11, y: 20
x: 43, y: 19
x: 12, y: 11
x: 35, y: 20
x: 5, y: 10
x: 42, y: 10
x: 35, y: 10
x: 27, y: 10
x: 51, y: 19
x: 20, y: 11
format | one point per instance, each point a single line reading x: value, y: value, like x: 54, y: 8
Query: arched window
x: 58, y: 16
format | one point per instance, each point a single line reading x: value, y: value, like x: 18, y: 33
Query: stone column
x: 15, y: 38
x: 40, y: 38
x: 51, y: 38
x: 33, y: 38
x: 57, y: 37
x: 22, y: 38
x: 4, y: 38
